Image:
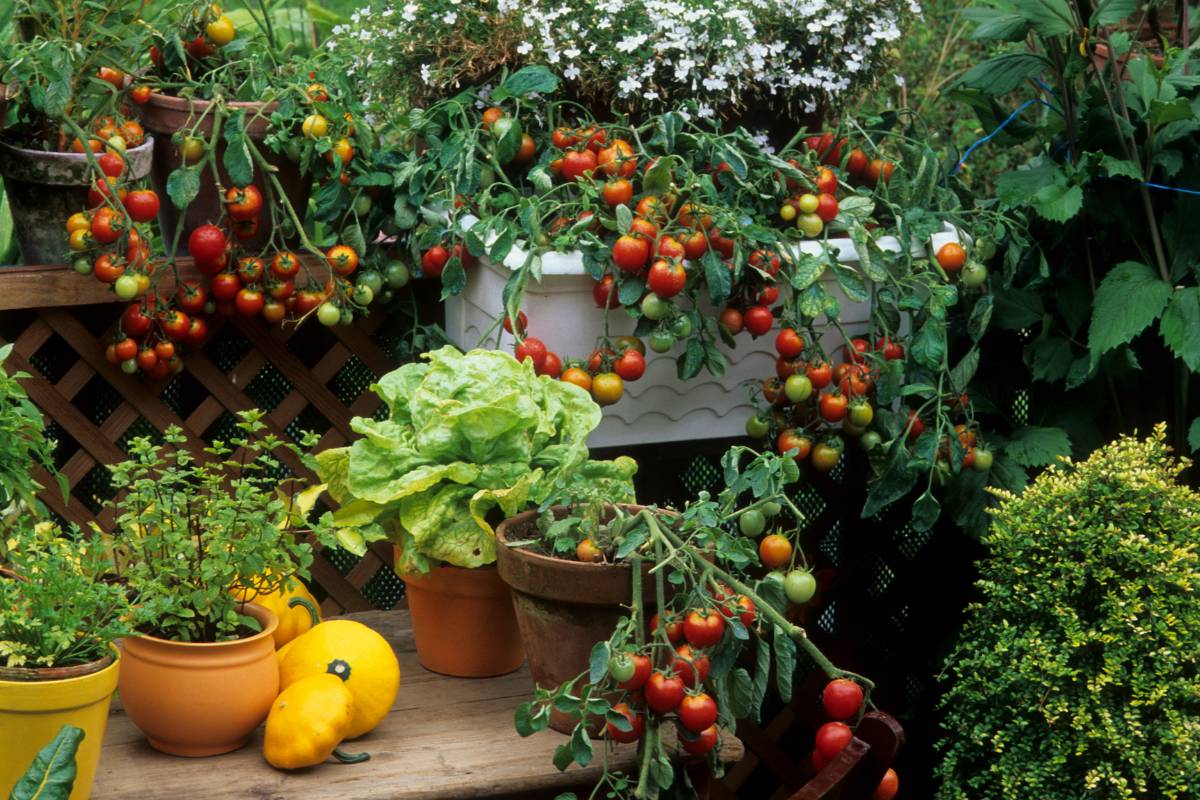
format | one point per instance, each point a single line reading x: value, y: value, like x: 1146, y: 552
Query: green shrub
x: 1078, y: 673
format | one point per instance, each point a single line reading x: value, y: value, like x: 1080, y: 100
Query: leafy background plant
x: 1075, y: 675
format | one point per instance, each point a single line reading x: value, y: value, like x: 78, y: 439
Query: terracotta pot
x: 35, y: 703
x: 563, y: 607
x: 166, y: 115
x: 45, y: 188
x: 463, y: 622
x: 193, y: 699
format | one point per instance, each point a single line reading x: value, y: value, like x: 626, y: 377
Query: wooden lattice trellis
x: 305, y: 378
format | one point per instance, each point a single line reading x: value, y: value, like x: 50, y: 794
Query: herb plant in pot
x: 202, y: 674
x: 58, y: 666
x: 472, y: 438
x: 58, y: 614
x: 65, y: 75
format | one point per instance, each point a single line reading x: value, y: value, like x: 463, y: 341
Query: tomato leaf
x: 962, y: 372
x: 502, y: 246
x: 812, y: 301
x: 454, y: 278
x: 618, y: 721
x: 624, y: 217
x: 236, y: 159
x: 510, y: 139
x: 785, y: 663
x: 526, y: 81
x: 523, y: 720
x: 352, y: 235
x: 598, y: 662
x: 717, y: 277
x: 662, y: 772
x: 629, y: 291
x: 981, y: 316
x: 925, y: 511
x: 691, y: 360
x: 563, y: 757
x: 762, y: 673
x: 658, y: 178
x: 741, y: 693
x: 183, y: 185
x: 581, y: 746
x: 896, y: 480
x: 929, y: 345
x: 852, y: 283
x: 869, y: 254
x: 1193, y: 436
x: 807, y: 270
x: 714, y: 359
x: 1050, y: 358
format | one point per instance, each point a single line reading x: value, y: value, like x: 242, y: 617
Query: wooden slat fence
x: 306, y: 378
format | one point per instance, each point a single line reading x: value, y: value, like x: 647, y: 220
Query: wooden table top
x: 444, y: 738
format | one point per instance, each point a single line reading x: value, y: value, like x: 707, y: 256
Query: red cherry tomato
x: 663, y: 692
x: 842, y: 698
x: 697, y: 712
x: 832, y: 738
x: 703, y: 627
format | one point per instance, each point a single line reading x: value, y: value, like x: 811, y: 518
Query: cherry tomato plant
x: 685, y: 676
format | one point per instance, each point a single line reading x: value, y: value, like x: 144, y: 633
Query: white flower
x: 525, y: 48
x: 899, y: 80
x: 425, y: 70
x: 571, y: 72
x: 450, y: 17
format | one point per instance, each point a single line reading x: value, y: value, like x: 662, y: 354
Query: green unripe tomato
x: 654, y: 307
x: 125, y: 287
x: 860, y: 414
x: 346, y: 317
x: 371, y: 278
x: 810, y: 225
x: 983, y: 460
x: 800, y: 586
x: 129, y: 366
x: 661, y: 341
x: 621, y: 666
x: 363, y: 205
x: 870, y: 440
x: 117, y: 144
x: 752, y: 523
x: 756, y: 427
x: 798, y: 388
x: 681, y: 326
x: 973, y: 275
x: 397, y: 274
x: 362, y: 295
x: 776, y: 577
x: 82, y: 266
x: 292, y: 150
x: 387, y: 296
x: 985, y: 248
x: 487, y: 176
x: 329, y: 315
x: 771, y: 508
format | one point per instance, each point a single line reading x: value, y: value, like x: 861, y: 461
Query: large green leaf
x: 1180, y: 326
x: 1048, y: 17
x: 1003, y: 73
x: 51, y: 776
x: 996, y: 24
x: 1130, y: 297
x: 1034, y: 446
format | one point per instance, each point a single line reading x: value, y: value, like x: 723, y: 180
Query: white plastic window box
x: 658, y: 407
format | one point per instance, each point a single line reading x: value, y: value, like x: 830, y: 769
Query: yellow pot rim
x: 62, y: 694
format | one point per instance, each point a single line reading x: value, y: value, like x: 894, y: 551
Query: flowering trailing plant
x: 702, y: 236
x: 637, y: 55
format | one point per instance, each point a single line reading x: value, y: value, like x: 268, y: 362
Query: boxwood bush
x: 1078, y: 673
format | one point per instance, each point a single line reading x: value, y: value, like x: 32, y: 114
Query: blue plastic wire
x: 1171, y: 188
x: 999, y: 128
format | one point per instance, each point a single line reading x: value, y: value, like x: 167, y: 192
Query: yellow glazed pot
x: 197, y: 699
x: 31, y: 713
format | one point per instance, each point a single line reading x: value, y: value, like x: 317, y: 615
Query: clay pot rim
x: 555, y: 562
x: 177, y: 103
x: 267, y: 617
x: 148, y: 144
x: 42, y: 675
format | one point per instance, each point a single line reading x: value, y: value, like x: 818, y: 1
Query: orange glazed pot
x: 463, y: 622
x: 200, y: 699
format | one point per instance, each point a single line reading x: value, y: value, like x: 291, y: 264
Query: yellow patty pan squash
x: 295, y: 618
x: 356, y: 654
x: 307, y: 722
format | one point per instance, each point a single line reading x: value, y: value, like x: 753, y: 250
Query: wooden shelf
x: 445, y: 739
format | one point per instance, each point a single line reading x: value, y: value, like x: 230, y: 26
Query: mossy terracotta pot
x: 563, y: 606
x: 45, y: 188
x: 166, y: 115
x: 463, y: 622
x: 35, y: 703
x: 200, y: 699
